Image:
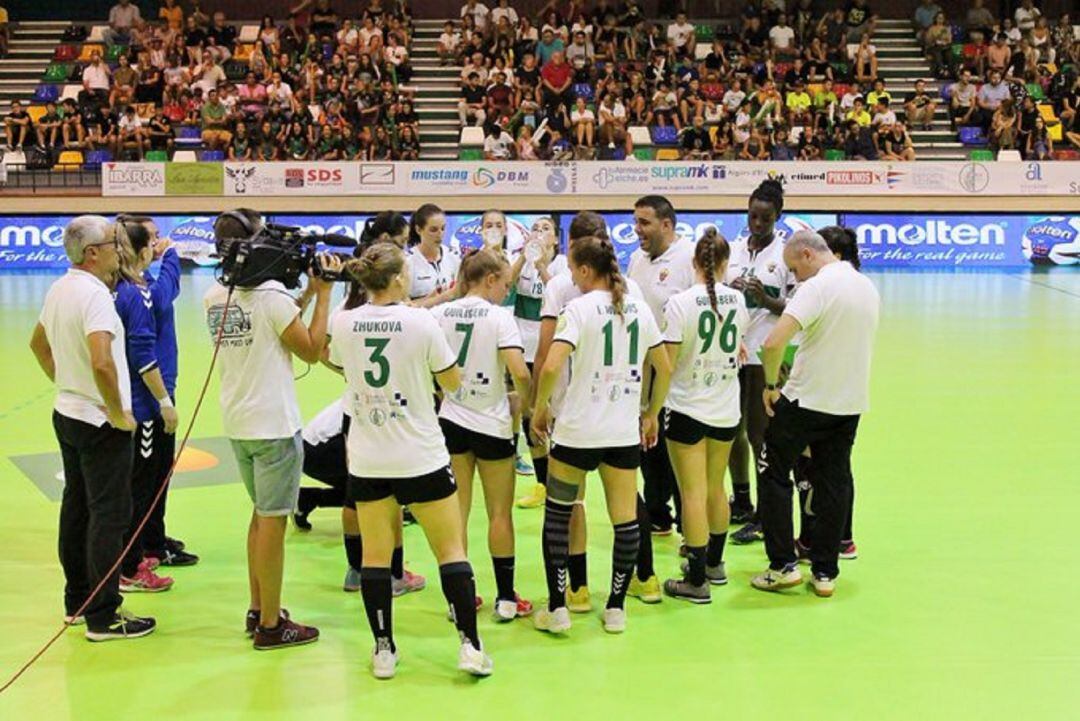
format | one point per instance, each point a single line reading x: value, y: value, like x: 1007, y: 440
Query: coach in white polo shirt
x: 836, y: 308
x: 662, y: 267
x: 79, y: 344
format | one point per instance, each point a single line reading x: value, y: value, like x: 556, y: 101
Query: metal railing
x: 61, y: 175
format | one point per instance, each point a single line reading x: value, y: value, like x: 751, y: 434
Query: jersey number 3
x: 378, y: 378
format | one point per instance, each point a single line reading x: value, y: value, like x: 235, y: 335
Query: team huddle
x: 673, y: 368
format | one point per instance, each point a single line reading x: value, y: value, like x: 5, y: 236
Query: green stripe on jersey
x: 527, y: 308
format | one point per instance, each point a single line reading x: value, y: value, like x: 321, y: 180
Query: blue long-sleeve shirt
x: 135, y: 306
x: 164, y: 290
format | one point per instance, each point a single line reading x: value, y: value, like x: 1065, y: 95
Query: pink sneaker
x: 145, y: 581
x: 151, y: 562
x: 408, y: 583
x: 848, y: 550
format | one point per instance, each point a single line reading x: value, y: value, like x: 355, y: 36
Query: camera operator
x: 260, y: 329
x: 79, y: 344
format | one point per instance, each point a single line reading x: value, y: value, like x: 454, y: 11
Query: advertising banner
x: 886, y: 241
x: 428, y: 179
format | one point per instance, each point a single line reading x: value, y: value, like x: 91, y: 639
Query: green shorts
x: 271, y: 469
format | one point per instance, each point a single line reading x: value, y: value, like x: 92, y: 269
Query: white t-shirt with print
x: 258, y: 397
x: 528, y: 302
x: 426, y: 277
x: 603, y: 400
x: 389, y: 354
x: 705, y: 382
x: 661, y: 277
x: 325, y: 425
x: 768, y: 266
x: 477, y: 331
x: 838, y: 311
x: 76, y: 305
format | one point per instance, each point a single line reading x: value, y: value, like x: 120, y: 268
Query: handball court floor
x: 961, y: 604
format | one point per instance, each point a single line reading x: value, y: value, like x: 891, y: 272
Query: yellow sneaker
x: 647, y: 591
x: 535, y: 498
x: 579, y: 601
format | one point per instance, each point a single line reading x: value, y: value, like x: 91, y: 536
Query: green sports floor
x: 960, y: 606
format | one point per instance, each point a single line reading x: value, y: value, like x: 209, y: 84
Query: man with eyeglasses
x: 79, y: 344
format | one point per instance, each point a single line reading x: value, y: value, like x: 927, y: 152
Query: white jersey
x: 426, y: 277
x: 529, y: 299
x: 705, y: 381
x: 477, y: 331
x: 389, y: 353
x: 258, y: 396
x: 326, y: 425
x: 346, y: 406
x: 603, y: 406
x: 559, y: 292
x: 768, y: 266
x: 661, y: 277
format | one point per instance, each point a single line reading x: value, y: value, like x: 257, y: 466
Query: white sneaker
x: 383, y: 660
x: 823, y: 585
x: 614, y: 620
x: 75, y: 620
x: 773, y: 580
x: 557, y: 621
x: 473, y: 661
x: 506, y: 611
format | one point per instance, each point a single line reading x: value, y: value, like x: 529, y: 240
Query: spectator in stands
x: 858, y: 114
x: 779, y: 149
x: 859, y: 142
x: 472, y: 101
x: 1026, y: 15
x: 449, y: 42
x: 223, y: 34
x: 501, y: 99
x: 556, y: 77
x: 861, y: 21
x: 696, y: 141
x: 215, y: 125
x: 681, y: 37
x: 5, y: 32
x: 207, y: 75
x: 47, y: 128
x: 475, y: 65
x: 1063, y: 38
x: 479, y: 12
x: 130, y: 134
x: 96, y: 80
x: 583, y: 120
x: 148, y: 87
x: 1040, y: 146
x: 826, y: 105
x: 123, y: 18
x: 812, y: 145
x: 498, y: 144
x: 1003, y: 126
x: 100, y: 127
x: 72, y: 131
x: 408, y: 145
x: 998, y: 55
x: 782, y: 40
x: 883, y: 117
x: 755, y: 147
x: 925, y: 16
x: 124, y: 80
x: 877, y: 93
x: 978, y: 18
x: 548, y: 46
x: 989, y: 98
x: 159, y: 131
x: 937, y: 42
x: 895, y: 143
x: 865, y: 60
x: 919, y: 106
x: 253, y: 96
x: 798, y: 104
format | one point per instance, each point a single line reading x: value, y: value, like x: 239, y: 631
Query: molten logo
x: 930, y: 232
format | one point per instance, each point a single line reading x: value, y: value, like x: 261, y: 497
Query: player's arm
x: 449, y: 379
x: 107, y: 380
x: 772, y: 350
x: 39, y: 346
x: 557, y: 355
x: 547, y: 335
x: 514, y: 360
x: 661, y: 363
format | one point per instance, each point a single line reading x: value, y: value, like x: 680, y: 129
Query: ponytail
x: 711, y: 252
x: 479, y: 264
x: 599, y: 255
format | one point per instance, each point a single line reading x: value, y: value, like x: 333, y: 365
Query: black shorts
x: 481, y: 445
x: 589, y: 459
x: 681, y: 428
x: 433, y: 486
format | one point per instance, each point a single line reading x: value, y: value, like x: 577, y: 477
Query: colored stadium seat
x: 667, y: 154
x: 235, y: 70
x: 89, y: 49
x: 46, y: 93
x: 185, y: 156
x: 243, y: 52
x: 704, y: 33
x: 97, y: 34
x: 211, y: 156
x: 1067, y: 154
x: 65, y: 53
x: 157, y: 156
x: 981, y: 155
x: 664, y: 135
x: 95, y: 158
x: 639, y: 134
x: 471, y: 154
x: 248, y: 34
x: 946, y: 92
x: 57, y: 72
x: 584, y: 90
x: 834, y: 154
x: 113, y: 52
x: 1047, y: 113
x: 35, y: 112
x: 852, y: 48
x: 1007, y: 155
x: 472, y: 137
x: 643, y: 153
x: 1056, y: 132
x: 702, y: 50
x: 188, y: 135
x: 972, y: 135
x: 1036, y: 92
x: 70, y: 91
x: 69, y: 160
x: 14, y: 157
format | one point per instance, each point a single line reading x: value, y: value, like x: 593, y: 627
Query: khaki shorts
x: 271, y: 470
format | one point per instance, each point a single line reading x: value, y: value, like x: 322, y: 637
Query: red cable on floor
x: 157, y: 499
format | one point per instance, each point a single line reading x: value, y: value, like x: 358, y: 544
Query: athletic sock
x: 397, y: 563
x: 556, y: 551
x: 378, y: 599
x: 504, y: 577
x: 623, y: 555
x: 695, y: 556
x: 579, y: 570
x: 714, y: 556
x: 742, y: 495
x: 804, y: 485
x: 645, y: 569
x: 354, y: 551
x: 540, y: 466
x: 459, y: 587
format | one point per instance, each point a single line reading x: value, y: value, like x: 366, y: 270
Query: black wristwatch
x: 770, y: 386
